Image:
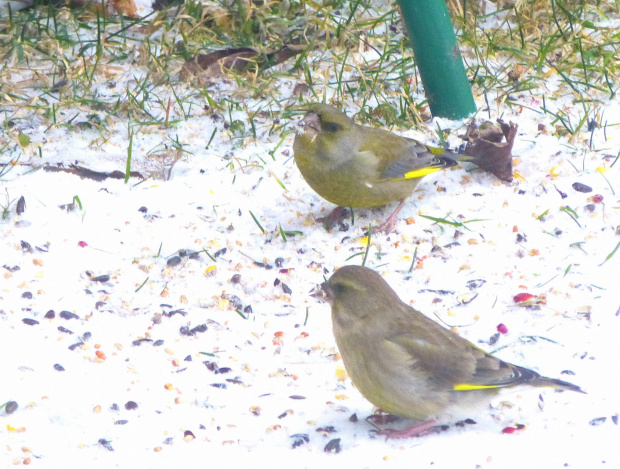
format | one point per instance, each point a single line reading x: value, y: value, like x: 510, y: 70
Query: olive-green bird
x: 352, y: 165
x: 408, y: 365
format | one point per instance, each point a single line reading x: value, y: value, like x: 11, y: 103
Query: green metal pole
x: 438, y: 58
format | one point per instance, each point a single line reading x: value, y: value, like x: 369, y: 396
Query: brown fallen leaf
x: 487, y: 151
x: 206, y: 67
x: 125, y: 7
x: 107, y: 7
x: 85, y: 173
x: 216, y: 64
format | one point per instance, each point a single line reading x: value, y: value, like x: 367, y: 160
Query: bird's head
x: 357, y: 290
x: 325, y: 126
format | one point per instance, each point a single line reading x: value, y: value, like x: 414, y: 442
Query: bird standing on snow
x: 351, y: 165
x: 408, y: 365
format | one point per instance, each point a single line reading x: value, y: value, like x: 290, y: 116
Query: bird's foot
x: 417, y: 430
x: 388, y: 226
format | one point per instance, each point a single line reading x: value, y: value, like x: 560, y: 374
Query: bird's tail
x: 446, y: 159
x: 543, y: 381
x: 532, y: 378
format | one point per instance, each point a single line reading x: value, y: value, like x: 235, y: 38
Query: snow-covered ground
x: 121, y: 355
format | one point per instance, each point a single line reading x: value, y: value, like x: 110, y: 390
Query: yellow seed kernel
x: 341, y: 374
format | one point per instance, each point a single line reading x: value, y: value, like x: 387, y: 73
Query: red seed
x: 509, y: 430
x: 82, y: 244
x: 502, y: 329
x: 521, y: 297
x: 596, y: 199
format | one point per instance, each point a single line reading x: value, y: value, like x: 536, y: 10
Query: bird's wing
x: 404, y: 158
x: 454, y: 363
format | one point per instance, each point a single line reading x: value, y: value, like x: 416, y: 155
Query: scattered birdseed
x: 20, y: 207
x: 174, y: 261
x: 101, y: 278
x: 106, y: 444
x: 11, y: 407
x: 68, y: 315
x: 598, y: 421
x: 523, y: 297
x: 581, y: 187
x: 131, y: 405
x: 333, y: 446
x: 300, y: 439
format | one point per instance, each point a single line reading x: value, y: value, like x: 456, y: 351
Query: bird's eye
x: 338, y: 288
x: 332, y: 127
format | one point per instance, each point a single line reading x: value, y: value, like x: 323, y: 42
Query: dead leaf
x: 206, y: 67
x: 125, y: 7
x: 215, y: 64
x: 85, y: 173
x: 487, y: 151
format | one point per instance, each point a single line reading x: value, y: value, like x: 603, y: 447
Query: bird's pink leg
x: 416, y: 430
x: 388, y: 225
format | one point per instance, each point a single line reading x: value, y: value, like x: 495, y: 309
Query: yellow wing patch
x: 436, y: 151
x: 473, y: 387
x: 418, y: 173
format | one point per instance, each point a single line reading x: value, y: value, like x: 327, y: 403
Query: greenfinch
x: 352, y: 165
x: 408, y: 365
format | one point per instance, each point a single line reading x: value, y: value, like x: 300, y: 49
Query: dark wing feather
x: 449, y: 360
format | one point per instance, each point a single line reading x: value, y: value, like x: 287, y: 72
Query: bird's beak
x: 309, y: 125
x: 329, y: 296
